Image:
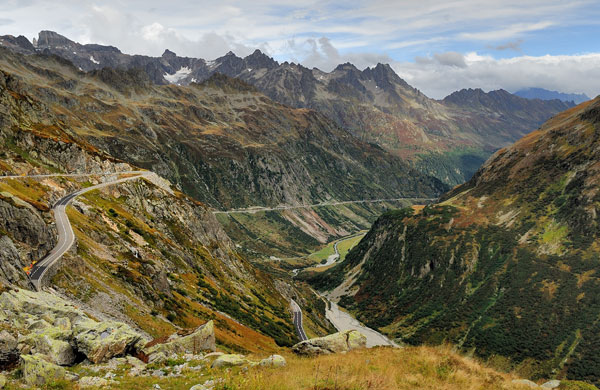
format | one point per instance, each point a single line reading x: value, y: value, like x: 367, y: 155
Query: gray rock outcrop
x: 273, y: 361
x: 9, y: 355
x: 333, y: 343
x: 58, y: 330
x: 37, y: 371
x: 202, y: 339
x: 229, y: 360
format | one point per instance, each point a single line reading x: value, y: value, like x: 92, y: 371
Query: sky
x: 436, y: 46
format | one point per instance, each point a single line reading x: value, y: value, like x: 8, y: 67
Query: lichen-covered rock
x: 273, y: 361
x: 38, y: 372
x: 202, y: 339
x: 333, y: 343
x: 157, y: 357
x: 93, y: 381
x: 59, y: 330
x: 9, y: 354
x: 2, y: 381
x: 51, y: 345
x: 33, y: 306
x: 100, y: 341
x: 229, y: 360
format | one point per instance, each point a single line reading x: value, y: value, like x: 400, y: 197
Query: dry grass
x: 380, y: 368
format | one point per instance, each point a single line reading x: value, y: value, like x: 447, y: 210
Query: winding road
x: 66, y: 237
x: 298, y: 320
x: 257, y: 209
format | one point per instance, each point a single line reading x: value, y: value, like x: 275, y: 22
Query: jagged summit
x: 18, y: 44
x: 51, y: 39
x: 168, y: 54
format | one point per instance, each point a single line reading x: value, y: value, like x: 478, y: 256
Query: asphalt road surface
x: 66, y: 237
x: 298, y: 320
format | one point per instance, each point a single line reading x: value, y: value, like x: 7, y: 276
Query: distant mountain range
x: 544, y: 94
x: 448, y: 139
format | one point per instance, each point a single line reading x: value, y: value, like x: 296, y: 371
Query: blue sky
x: 437, y: 46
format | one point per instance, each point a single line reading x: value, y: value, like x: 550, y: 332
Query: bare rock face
x: 10, y: 262
x: 9, y: 355
x: 333, y: 343
x: 26, y: 225
x: 202, y: 339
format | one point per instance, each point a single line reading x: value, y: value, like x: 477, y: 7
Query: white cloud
x: 566, y: 73
x: 132, y: 36
x: 506, y: 32
x: 360, y: 31
x: 320, y: 53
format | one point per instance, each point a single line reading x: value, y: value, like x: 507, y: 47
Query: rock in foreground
x: 229, y: 361
x: 37, y: 371
x: 58, y: 330
x: 333, y: 343
x: 202, y: 339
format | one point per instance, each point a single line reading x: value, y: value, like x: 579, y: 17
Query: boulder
x: 213, y: 354
x: 333, y: 343
x: 135, y: 362
x: 56, y: 350
x: 100, y: 341
x: 2, y: 381
x: 273, y: 361
x: 525, y: 382
x: 9, y: 354
x: 200, y: 387
x: 230, y: 360
x: 93, y: 381
x: 553, y: 384
x: 202, y: 339
x: 157, y: 357
x: 38, y: 372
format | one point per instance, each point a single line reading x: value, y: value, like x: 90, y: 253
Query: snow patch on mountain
x: 94, y: 60
x: 174, y: 78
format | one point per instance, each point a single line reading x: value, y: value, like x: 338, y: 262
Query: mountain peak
x: 346, y: 66
x: 19, y: 44
x: 168, y: 54
x: 48, y: 38
x: 258, y: 59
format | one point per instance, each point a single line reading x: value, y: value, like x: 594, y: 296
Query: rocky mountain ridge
x: 544, y: 94
x: 223, y: 143
x: 375, y: 104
